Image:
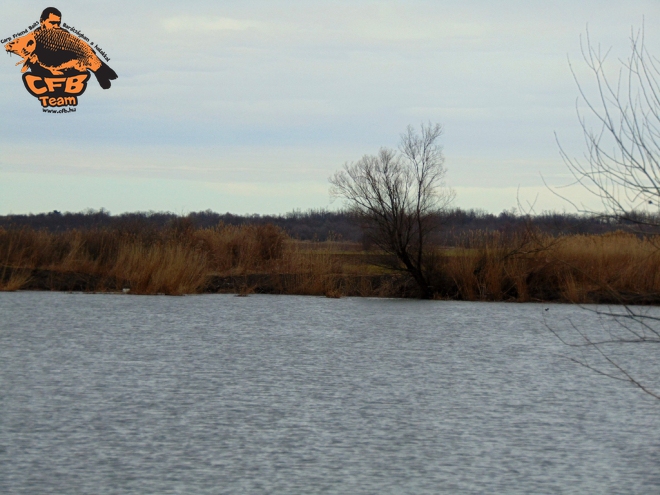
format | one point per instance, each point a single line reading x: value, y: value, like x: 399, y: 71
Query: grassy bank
x: 181, y: 259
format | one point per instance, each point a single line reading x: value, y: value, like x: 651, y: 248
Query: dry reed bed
x: 249, y: 258
x: 180, y: 260
x: 616, y: 267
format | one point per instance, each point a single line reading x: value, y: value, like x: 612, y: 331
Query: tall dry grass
x: 578, y: 269
x: 487, y: 266
x: 178, y: 260
x: 164, y: 269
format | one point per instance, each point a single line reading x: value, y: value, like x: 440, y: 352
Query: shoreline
x: 616, y: 268
x: 393, y: 286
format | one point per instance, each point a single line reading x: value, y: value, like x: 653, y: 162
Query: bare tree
x: 397, y: 195
x: 621, y: 166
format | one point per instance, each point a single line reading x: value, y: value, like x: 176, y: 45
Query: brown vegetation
x: 615, y: 267
x: 246, y: 259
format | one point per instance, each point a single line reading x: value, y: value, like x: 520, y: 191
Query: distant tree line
x: 322, y: 225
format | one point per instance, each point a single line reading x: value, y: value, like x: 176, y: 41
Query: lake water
x: 114, y: 394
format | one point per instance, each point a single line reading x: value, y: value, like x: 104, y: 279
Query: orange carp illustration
x: 58, y: 51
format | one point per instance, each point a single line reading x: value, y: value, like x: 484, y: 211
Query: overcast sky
x: 249, y: 106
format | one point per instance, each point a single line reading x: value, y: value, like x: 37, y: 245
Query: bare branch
x: 621, y: 167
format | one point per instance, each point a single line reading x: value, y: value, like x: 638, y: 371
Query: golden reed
x: 262, y: 258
